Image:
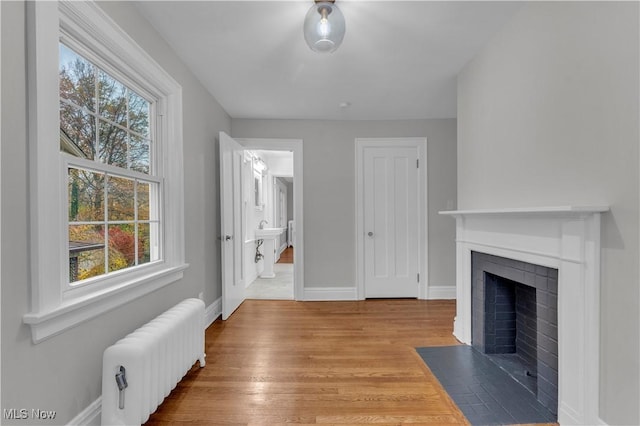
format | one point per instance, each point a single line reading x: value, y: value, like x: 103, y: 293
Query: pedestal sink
x: 269, y: 236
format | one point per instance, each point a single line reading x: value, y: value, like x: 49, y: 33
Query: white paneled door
x: 231, y: 157
x: 391, y: 192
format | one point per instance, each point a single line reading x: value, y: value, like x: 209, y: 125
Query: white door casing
x: 280, y: 212
x: 231, y: 224
x: 391, y: 220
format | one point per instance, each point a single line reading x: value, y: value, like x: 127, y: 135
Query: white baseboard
x: 212, y: 312
x: 438, y: 292
x: 351, y: 293
x: 90, y: 416
x: 318, y: 294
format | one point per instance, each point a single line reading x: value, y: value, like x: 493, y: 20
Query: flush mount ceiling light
x: 324, y: 26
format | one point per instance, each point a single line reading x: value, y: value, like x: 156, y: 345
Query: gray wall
x: 329, y: 190
x: 64, y: 372
x: 548, y: 115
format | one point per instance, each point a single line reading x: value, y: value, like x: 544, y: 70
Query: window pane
x: 122, y: 246
x: 77, y: 78
x: 138, y: 114
x: 86, y: 195
x: 77, y: 132
x: 86, y: 251
x: 112, y: 100
x: 139, y: 154
x: 120, y: 199
x: 113, y: 145
x: 143, y: 200
x: 113, y: 220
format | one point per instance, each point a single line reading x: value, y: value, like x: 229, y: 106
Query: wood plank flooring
x: 286, y: 256
x: 277, y: 362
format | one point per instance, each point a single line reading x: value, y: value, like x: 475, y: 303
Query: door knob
x: 228, y: 237
x: 370, y: 234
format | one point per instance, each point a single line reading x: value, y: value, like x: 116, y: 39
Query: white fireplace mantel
x: 566, y: 238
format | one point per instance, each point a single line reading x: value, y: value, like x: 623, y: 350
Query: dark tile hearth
x: 484, y: 392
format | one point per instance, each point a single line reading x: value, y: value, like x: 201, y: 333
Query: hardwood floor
x: 286, y: 256
x: 325, y: 362
x: 276, y: 362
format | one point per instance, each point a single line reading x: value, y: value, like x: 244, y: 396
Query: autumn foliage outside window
x: 113, y: 196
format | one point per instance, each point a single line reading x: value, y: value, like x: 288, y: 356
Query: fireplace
x: 514, y: 321
x: 566, y: 240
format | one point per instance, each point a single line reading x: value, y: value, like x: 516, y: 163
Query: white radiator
x: 148, y: 363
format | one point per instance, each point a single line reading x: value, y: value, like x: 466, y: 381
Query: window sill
x: 75, y: 311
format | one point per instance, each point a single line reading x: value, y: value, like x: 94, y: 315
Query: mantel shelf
x: 529, y: 210
x: 566, y: 238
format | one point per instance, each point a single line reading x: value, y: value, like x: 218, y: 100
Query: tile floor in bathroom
x: 278, y: 288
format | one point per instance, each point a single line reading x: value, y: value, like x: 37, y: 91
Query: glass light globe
x: 324, y: 27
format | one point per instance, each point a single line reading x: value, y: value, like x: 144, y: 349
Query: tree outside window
x: 113, y: 196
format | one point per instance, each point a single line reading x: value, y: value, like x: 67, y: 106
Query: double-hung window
x: 105, y: 167
x: 113, y: 192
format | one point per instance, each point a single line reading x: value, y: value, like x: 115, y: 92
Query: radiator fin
x: 156, y: 357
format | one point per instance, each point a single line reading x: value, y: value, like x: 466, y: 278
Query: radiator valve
x: 121, y: 381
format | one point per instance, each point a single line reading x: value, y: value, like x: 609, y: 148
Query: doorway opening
x: 273, y: 263
x: 268, y: 222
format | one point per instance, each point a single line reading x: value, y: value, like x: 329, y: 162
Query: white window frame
x: 107, y: 279
x: 54, y: 306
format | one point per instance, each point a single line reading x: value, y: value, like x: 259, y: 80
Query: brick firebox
x: 515, y: 312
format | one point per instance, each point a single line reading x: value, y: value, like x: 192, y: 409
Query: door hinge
x: 418, y: 277
x: 418, y: 163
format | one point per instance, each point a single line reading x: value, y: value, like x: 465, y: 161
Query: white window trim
x: 52, y: 310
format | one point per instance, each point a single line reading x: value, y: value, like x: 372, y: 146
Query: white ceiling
x: 399, y: 59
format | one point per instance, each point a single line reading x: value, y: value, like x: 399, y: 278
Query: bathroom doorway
x: 272, y: 214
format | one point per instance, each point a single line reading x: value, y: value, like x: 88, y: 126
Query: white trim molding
x: 566, y: 238
x: 212, y: 312
x: 69, y: 314
x: 55, y: 306
x: 90, y: 416
x: 326, y: 294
